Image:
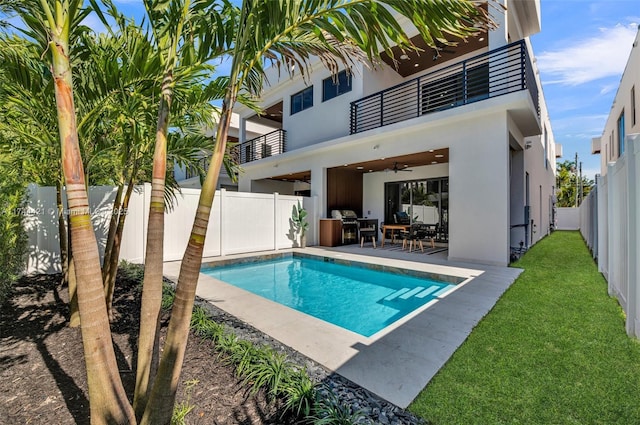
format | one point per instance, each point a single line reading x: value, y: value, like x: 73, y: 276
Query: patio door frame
x: 395, y: 195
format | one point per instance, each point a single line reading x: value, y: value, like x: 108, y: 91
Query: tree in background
x: 568, y: 185
x: 13, y: 238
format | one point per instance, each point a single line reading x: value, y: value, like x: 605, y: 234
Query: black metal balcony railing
x: 269, y: 144
x: 203, y: 163
x: 501, y: 71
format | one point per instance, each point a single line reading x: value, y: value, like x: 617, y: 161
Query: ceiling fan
x: 440, y: 47
x: 395, y: 168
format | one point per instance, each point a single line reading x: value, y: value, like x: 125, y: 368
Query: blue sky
x: 581, y: 53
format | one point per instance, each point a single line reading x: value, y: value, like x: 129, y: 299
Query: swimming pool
x: 356, y: 298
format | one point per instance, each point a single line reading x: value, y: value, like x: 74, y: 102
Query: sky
x: 581, y: 52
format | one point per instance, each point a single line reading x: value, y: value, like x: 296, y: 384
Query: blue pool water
x: 355, y: 298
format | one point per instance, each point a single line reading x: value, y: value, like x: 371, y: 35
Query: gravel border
x: 375, y: 409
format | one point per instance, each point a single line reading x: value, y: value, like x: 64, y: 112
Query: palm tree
x: 28, y: 108
x: 568, y: 183
x: 54, y: 24
x: 184, y: 45
x: 338, y: 32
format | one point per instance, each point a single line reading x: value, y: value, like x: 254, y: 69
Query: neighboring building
x: 189, y: 178
x: 609, y: 223
x: 624, y: 117
x: 459, y: 138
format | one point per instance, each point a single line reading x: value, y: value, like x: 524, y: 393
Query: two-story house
x: 624, y: 117
x: 458, y: 137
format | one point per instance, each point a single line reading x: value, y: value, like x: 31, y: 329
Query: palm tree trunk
x: 74, y: 309
x: 62, y: 234
x: 148, y: 339
x: 115, y: 249
x: 108, y: 400
x: 66, y: 258
x: 162, y: 399
x: 113, y: 225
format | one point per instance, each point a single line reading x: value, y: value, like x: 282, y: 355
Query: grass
x: 552, y: 351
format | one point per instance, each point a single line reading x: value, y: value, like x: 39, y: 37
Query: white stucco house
x: 189, y: 178
x: 609, y: 222
x: 460, y: 138
x: 623, y: 118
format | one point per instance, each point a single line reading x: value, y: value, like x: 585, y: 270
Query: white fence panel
x: 618, y: 227
x: 41, y: 224
x: 618, y: 221
x: 248, y: 222
x: 603, y: 230
x: 213, y: 243
x: 568, y: 218
x: 134, y: 237
x: 239, y: 223
x: 285, y: 234
x: 589, y: 220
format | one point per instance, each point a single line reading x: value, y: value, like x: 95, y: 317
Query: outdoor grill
x: 349, y: 225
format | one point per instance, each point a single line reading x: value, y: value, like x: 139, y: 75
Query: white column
x: 500, y: 36
x: 319, y: 187
x: 242, y: 130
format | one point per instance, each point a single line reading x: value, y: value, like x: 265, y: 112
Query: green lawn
x: 552, y: 351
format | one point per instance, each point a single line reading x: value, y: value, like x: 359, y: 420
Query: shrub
x: 267, y: 369
x: 328, y: 410
x: 299, y: 395
x: 13, y: 237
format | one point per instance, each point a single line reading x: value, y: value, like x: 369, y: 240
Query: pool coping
x: 395, y: 363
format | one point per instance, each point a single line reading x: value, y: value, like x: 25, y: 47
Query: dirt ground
x: 42, y: 372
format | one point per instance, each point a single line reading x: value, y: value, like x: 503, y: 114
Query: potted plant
x: 300, y: 224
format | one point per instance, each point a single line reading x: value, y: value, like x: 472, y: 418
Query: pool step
x: 418, y: 292
x: 428, y: 291
x: 396, y: 294
x: 411, y: 293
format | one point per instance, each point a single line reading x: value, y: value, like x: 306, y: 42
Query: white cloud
x: 600, y: 56
x: 608, y: 88
x: 580, y: 125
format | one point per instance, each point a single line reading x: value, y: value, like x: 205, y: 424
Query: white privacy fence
x: 610, y: 224
x: 239, y: 223
x: 568, y: 218
x: 588, y: 218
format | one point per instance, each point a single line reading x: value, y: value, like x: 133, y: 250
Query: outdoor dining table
x: 392, y: 228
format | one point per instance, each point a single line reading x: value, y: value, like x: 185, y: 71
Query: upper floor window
x: 621, y: 134
x: 546, y: 149
x: 302, y: 100
x: 335, y: 87
x: 633, y: 105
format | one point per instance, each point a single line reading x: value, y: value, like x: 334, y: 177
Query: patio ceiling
x: 431, y: 157
x: 411, y: 62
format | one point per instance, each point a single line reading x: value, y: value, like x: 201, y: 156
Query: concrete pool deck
x: 395, y: 363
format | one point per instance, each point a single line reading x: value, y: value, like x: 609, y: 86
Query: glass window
x: 621, y: 134
x: 302, y: 100
x: 335, y: 87
x: 633, y: 105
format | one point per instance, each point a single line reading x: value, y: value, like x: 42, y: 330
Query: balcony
x: 269, y: 144
x: 495, y: 73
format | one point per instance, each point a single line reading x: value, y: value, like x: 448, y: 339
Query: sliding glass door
x: 424, y: 201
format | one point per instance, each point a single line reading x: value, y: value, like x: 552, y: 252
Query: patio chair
x: 418, y: 233
x: 410, y: 236
x: 431, y: 231
x: 370, y: 230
